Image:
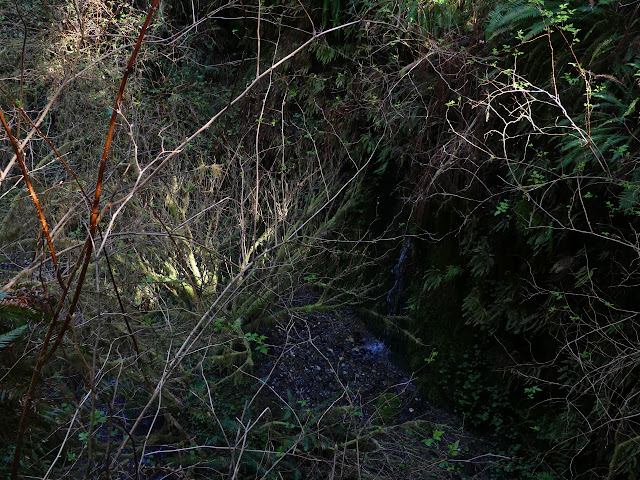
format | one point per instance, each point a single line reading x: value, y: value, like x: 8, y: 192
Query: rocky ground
x: 330, y: 359
x: 321, y: 357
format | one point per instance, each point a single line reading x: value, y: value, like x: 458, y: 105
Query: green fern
x: 433, y: 277
x: 331, y: 12
x: 630, y: 196
x: 481, y: 260
x: 325, y: 54
x: 532, y: 17
x: 12, y: 336
x: 609, y: 138
x: 603, y: 47
x: 473, y: 309
x: 507, y: 16
x: 583, y: 276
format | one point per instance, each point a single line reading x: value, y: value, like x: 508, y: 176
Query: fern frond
x: 610, y: 99
x: 433, y: 277
x: 518, y: 16
x: 12, y: 335
x: 506, y: 16
x: 473, y: 309
x: 602, y: 48
x: 583, y: 276
x: 481, y: 260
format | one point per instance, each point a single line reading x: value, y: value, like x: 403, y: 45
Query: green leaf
x: 12, y: 336
x: 382, y: 168
x: 631, y: 108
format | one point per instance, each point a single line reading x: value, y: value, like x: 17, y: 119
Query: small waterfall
x: 393, y: 297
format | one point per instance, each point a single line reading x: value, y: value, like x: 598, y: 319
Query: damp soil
x: 330, y: 359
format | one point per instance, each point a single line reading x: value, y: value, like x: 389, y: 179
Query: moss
x: 388, y: 407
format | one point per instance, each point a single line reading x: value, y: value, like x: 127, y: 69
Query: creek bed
x: 330, y: 360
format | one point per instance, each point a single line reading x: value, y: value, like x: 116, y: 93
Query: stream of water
x: 393, y: 297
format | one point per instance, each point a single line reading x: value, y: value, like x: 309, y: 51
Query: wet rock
x: 327, y: 353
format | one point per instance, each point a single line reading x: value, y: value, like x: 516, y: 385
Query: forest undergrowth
x: 460, y: 175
